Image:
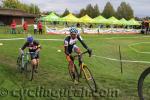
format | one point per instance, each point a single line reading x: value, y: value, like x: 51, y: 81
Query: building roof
x: 15, y: 12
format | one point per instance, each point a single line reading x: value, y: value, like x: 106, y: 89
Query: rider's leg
x: 71, y: 66
x: 78, y: 51
x: 34, y: 62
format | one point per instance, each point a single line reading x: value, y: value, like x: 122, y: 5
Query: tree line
x: 123, y: 11
x: 16, y: 4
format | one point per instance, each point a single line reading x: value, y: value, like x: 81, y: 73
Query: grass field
x: 53, y: 71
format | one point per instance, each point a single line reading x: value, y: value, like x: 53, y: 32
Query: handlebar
x: 80, y: 54
x: 28, y: 53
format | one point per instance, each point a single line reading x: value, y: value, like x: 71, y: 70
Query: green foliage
x: 16, y: 4
x: 82, y: 13
x: 125, y: 11
x: 96, y: 10
x: 66, y: 12
x: 90, y: 11
x: 108, y: 10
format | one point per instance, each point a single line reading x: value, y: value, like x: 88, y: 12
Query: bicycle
x: 83, y: 68
x: 24, y: 65
x: 142, y: 83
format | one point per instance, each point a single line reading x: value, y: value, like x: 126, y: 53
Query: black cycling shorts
x: 34, y: 56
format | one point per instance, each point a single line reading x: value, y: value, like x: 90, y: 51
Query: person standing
x: 13, y: 27
x: 25, y: 27
x: 40, y: 27
x: 35, y: 28
x: 147, y: 27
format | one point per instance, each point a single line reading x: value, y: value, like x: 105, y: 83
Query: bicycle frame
x: 81, y: 64
x: 87, y: 73
x: 25, y: 58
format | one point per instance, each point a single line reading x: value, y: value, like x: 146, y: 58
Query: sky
x: 141, y: 7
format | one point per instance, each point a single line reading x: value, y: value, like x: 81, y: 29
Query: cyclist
x: 34, y: 48
x: 70, y: 46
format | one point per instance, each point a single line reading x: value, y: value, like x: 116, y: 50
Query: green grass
x: 53, y: 71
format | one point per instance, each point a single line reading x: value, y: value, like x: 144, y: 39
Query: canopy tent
x: 124, y: 21
x: 70, y: 18
x: 133, y: 22
x: 113, y: 21
x: 86, y: 19
x: 100, y: 19
x: 51, y: 17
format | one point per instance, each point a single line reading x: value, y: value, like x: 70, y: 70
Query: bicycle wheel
x: 19, y: 64
x: 144, y: 85
x: 75, y: 72
x: 32, y: 73
x: 89, y: 78
x: 26, y: 69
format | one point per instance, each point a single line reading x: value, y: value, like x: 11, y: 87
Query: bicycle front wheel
x: 144, y: 85
x: 89, y: 78
x: 19, y: 64
x: 76, y: 74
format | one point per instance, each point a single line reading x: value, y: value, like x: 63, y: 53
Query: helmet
x: 30, y: 39
x: 73, y: 30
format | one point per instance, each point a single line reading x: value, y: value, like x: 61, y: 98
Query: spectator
x: 40, y: 27
x: 78, y: 25
x: 35, y: 28
x: 25, y: 27
x: 147, y: 27
x: 91, y: 26
x: 13, y: 27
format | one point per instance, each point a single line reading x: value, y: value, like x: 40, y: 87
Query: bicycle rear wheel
x: 144, y: 85
x: 89, y: 78
x: 75, y: 72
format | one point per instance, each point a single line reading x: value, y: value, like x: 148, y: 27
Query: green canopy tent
x: 51, y: 17
x: 133, y: 22
x: 100, y: 19
x: 70, y: 18
x: 124, y: 21
x: 86, y: 19
x: 113, y: 21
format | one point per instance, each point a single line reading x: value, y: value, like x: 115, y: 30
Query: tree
x: 96, y: 11
x: 124, y: 11
x: 82, y: 13
x: 16, y: 4
x: 10, y: 3
x: 66, y: 12
x: 90, y: 10
x: 130, y: 12
x: 108, y: 10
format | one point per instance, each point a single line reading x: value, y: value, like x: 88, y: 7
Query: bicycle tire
x: 32, y: 72
x: 75, y: 71
x: 144, y: 74
x: 89, y: 78
x: 19, y: 63
x: 26, y: 69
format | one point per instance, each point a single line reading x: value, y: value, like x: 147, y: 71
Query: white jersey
x: 69, y: 41
x: 35, y: 26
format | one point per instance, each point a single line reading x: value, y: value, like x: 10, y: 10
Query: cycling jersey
x: 32, y: 46
x: 69, y: 44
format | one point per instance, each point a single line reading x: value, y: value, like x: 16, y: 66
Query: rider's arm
x: 82, y: 42
x: 23, y: 47
x: 84, y: 45
x: 66, y: 47
x: 38, y: 47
